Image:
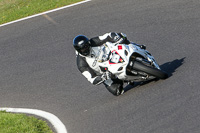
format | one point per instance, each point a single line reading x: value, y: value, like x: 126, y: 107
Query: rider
x: 87, y: 54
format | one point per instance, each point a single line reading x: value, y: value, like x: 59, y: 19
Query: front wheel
x: 150, y: 70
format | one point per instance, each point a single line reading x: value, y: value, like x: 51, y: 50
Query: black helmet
x: 82, y: 45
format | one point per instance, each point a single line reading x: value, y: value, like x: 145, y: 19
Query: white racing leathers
x: 89, y: 67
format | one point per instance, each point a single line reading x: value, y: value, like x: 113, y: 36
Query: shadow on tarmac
x: 169, y: 67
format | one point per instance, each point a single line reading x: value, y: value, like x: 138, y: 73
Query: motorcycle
x: 129, y: 63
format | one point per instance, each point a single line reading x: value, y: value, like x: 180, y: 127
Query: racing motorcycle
x: 129, y: 63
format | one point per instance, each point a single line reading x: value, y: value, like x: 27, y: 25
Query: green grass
x: 21, y: 123
x: 15, y: 9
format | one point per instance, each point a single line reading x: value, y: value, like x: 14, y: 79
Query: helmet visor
x: 85, y: 50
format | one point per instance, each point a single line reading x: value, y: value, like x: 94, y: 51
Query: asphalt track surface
x: 38, y: 69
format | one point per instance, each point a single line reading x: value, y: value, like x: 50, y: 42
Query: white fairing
x: 118, y: 59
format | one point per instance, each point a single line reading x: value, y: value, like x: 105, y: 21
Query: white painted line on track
x: 54, y: 120
x: 45, y: 12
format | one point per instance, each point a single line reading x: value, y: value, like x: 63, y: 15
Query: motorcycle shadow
x: 169, y: 67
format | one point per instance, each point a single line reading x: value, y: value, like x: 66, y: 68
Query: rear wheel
x: 150, y: 70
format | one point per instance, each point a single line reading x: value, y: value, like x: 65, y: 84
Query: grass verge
x: 15, y: 9
x: 21, y: 123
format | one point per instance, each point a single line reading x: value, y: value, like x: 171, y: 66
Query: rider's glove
x: 123, y: 38
x: 122, y: 35
x: 100, y: 79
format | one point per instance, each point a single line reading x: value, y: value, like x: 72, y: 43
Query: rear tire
x: 150, y: 70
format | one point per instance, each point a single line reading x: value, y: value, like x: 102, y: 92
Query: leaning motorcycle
x: 129, y: 63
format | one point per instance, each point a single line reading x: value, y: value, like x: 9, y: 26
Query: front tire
x: 150, y: 70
